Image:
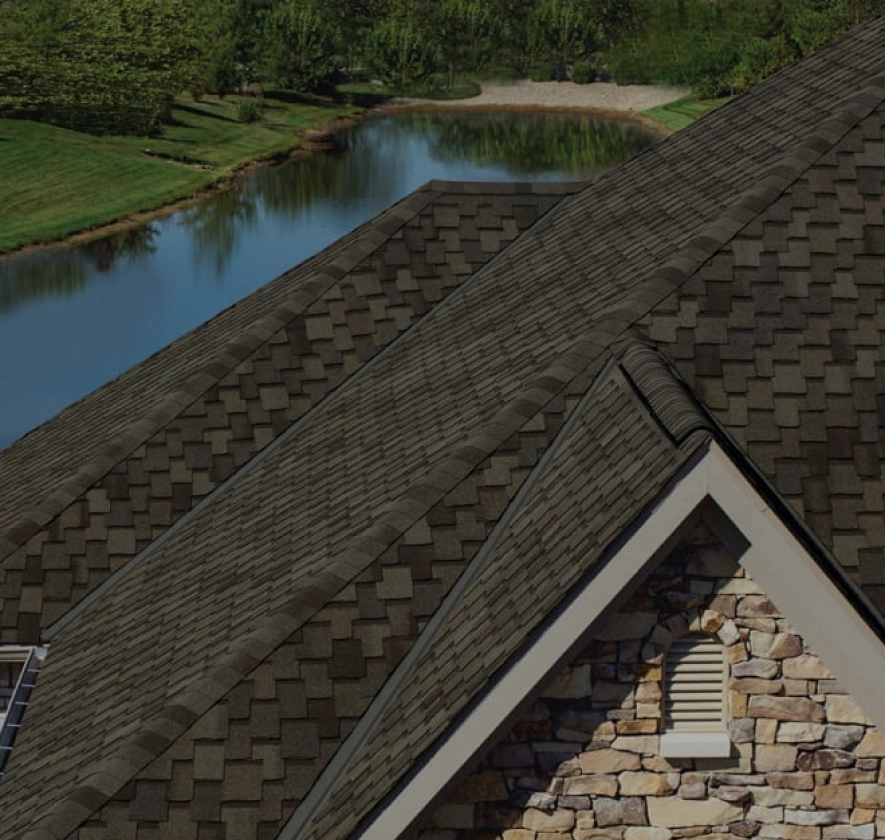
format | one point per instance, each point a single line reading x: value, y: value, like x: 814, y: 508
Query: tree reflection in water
x: 66, y: 271
x: 534, y: 143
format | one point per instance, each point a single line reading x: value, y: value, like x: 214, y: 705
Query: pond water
x: 73, y: 318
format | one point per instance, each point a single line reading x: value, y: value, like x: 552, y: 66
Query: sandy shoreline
x: 598, y: 96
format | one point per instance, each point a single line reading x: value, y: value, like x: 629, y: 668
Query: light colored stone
x: 806, y: 667
x: 752, y: 685
x: 693, y: 790
x: 776, y: 757
x: 732, y: 793
x: 637, y: 743
x: 791, y: 781
x: 777, y: 646
x: 644, y: 784
x: 770, y: 797
x: 711, y: 621
x: 647, y: 832
x: 514, y: 834
x: 851, y: 776
x: 862, y: 816
x: 608, y: 761
x: 729, y: 634
x: 842, y: 709
x: 790, y: 832
x: 642, y: 726
x: 736, y: 653
x: 870, y: 796
x: 766, y: 730
x: 674, y: 812
x: 764, y: 669
x: 850, y: 832
x: 757, y: 606
x: 573, y: 683
x: 629, y: 810
x: 597, y: 785
x: 633, y: 625
x: 843, y: 737
x: 742, y: 730
x: 585, y: 819
x: 798, y: 733
x: 834, y: 796
x: 762, y: 814
x: 786, y: 708
x: 589, y: 834
x: 872, y: 745
x: 558, y: 821
x: 823, y: 817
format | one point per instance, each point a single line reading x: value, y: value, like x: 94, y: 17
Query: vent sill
x: 695, y: 745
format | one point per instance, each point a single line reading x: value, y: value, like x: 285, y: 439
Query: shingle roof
x: 255, y: 633
x: 178, y: 425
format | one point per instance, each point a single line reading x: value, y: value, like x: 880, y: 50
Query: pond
x: 74, y: 317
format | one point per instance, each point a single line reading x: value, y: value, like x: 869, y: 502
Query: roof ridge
x: 156, y: 733
x: 665, y: 394
x: 377, y: 231
x: 506, y: 187
x: 359, y: 737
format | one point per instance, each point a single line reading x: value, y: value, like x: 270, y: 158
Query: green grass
x: 683, y: 112
x: 367, y: 92
x: 56, y: 182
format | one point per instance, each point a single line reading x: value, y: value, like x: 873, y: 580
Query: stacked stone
x: 584, y: 763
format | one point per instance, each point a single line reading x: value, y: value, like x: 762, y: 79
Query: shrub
x: 249, y: 110
x: 583, y: 73
x: 542, y: 72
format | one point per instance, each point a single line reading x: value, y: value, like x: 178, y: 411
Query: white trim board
x: 775, y: 559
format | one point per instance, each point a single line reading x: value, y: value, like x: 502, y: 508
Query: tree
x: 100, y: 65
x: 400, y: 53
x: 305, y: 43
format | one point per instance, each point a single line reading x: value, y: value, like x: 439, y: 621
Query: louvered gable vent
x: 694, y: 685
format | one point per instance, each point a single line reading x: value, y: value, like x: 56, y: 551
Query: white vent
x: 694, y: 685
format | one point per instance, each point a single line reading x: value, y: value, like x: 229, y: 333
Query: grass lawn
x: 683, y: 112
x: 56, y: 181
x: 373, y: 94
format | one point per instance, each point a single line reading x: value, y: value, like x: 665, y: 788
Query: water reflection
x: 72, y: 318
x: 534, y: 143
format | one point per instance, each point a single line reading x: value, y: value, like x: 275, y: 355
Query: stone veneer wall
x: 584, y: 763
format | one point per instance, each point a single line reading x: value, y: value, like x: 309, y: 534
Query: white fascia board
x: 775, y: 560
x: 799, y: 587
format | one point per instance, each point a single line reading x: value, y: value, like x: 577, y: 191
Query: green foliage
x: 97, y: 65
x: 721, y: 47
x: 583, y: 73
x: 305, y: 42
x: 250, y: 110
x: 760, y: 58
x: 400, y: 53
x: 542, y: 72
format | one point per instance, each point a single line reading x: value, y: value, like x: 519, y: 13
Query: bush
x: 250, y: 110
x: 542, y: 72
x: 583, y: 73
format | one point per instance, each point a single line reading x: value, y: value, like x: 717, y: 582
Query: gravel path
x: 599, y: 96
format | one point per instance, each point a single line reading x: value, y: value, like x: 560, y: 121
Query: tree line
x: 116, y: 65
